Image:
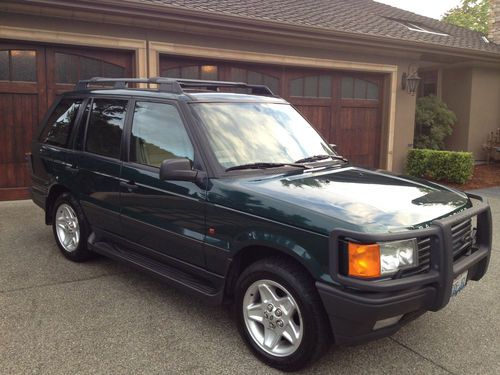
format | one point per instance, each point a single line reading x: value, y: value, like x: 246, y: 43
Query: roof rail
x: 174, y: 85
x: 168, y: 85
x: 215, y: 85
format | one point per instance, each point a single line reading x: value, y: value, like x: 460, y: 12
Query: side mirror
x: 178, y: 170
x: 333, y: 146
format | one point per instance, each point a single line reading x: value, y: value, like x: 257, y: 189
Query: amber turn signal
x: 364, y: 260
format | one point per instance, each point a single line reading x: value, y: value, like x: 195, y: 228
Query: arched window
x: 18, y: 65
x: 205, y: 72
x: 255, y: 78
x: 70, y: 68
x: 355, y: 88
x: 312, y: 87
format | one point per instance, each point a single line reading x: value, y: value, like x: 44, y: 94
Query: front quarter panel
x: 230, y: 231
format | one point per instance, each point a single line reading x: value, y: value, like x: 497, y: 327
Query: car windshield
x: 254, y: 133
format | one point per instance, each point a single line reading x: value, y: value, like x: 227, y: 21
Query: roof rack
x: 175, y: 85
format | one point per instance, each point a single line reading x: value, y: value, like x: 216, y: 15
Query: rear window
x: 61, y: 122
x: 104, y: 132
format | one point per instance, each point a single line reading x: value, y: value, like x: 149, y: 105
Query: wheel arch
x: 252, y: 253
x: 54, y: 192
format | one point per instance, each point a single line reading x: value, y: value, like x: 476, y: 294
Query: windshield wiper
x: 313, y: 158
x: 264, y: 166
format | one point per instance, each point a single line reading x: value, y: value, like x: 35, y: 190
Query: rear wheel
x: 280, y: 314
x: 70, y: 228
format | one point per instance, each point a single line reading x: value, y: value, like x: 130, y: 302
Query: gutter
x: 252, y: 26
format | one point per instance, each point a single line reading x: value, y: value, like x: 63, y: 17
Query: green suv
x: 226, y: 191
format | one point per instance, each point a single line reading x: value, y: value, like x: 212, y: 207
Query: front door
x: 166, y: 217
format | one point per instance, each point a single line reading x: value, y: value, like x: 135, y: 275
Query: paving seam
x: 61, y: 282
x: 422, y: 356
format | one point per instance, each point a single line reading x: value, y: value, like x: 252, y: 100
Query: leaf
x: 471, y: 14
x: 433, y: 123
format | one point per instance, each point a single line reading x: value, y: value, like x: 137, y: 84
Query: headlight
x: 381, y: 259
x: 397, y: 255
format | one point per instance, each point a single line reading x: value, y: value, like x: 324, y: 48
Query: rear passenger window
x: 104, y: 132
x: 158, y: 134
x: 60, y: 123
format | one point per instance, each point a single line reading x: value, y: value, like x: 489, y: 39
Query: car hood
x: 348, y: 198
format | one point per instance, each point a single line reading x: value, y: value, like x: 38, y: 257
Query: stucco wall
x: 485, y: 108
x: 456, y: 88
x: 473, y: 93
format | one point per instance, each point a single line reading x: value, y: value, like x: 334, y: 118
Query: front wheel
x: 280, y: 314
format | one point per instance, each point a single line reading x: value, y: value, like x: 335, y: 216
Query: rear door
x: 166, y: 217
x: 51, y: 150
x: 96, y: 164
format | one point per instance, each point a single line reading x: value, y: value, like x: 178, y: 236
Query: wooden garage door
x: 344, y: 107
x: 358, y: 130
x: 30, y: 79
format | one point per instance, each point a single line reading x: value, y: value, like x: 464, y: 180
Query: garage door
x: 344, y: 107
x: 30, y: 79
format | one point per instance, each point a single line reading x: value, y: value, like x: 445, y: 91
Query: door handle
x: 129, y: 186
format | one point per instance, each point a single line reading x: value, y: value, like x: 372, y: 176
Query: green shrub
x: 436, y: 165
x: 433, y: 123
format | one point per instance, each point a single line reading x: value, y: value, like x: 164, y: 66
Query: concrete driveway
x: 58, y: 317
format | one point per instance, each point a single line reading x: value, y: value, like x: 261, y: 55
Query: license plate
x: 459, y: 283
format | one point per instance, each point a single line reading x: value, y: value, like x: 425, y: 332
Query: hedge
x: 436, y: 165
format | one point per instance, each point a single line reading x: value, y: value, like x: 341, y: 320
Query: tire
x: 70, y: 228
x: 280, y: 314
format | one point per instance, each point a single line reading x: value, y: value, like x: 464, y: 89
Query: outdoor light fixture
x: 410, y: 80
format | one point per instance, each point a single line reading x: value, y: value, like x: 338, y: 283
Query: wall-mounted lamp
x: 410, y: 80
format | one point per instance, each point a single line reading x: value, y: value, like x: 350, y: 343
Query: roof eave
x: 258, y: 26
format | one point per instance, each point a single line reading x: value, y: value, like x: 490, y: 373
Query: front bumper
x: 354, y: 306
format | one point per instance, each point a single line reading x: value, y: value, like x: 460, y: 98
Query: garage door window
x: 18, y: 65
x: 355, y: 88
x: 312, y: 87
x: 70, y: 68
x: 255, y: 78
x: 207, y: 72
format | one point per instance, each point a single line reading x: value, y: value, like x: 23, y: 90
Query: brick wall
x: 494, y: 26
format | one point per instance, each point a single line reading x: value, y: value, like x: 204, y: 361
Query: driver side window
x: 158, y: 133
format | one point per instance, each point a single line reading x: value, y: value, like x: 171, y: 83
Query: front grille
x: 462, y: 238
x: 424, y: 258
